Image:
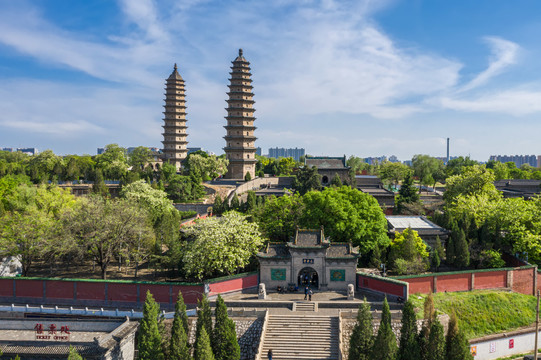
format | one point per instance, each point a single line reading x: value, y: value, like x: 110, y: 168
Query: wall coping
x: 102, y: 281
x: 392, y: 280
x: 230, y: 277
x: 464, y: 272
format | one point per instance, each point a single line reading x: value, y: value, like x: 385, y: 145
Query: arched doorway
x: 324, y: 180
x: 308, y: 277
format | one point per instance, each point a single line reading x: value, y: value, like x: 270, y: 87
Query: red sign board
x: 511, y: 343
x: 51, y: 333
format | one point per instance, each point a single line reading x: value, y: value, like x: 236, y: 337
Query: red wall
x: 29, y: 288
x: 382, y: 285
x: 449, y: 283
x: 190, y: 293
x: 490, y: 280
x: 90, y: 290
x: 233, y: 284
x: 122, y: 292
x: 159, y: 292
x: 6, y: 287
x: 59, y: 289
x: 523, y: 281
x: 421, y: 285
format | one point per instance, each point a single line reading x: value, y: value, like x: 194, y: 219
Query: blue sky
x: 363, y: 78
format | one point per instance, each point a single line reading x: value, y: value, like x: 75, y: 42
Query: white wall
x: 523, y: 343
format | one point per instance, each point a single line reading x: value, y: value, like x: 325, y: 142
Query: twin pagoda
x: 240, y: 140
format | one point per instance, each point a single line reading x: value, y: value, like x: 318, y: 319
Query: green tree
x: 409, y: 347
x: 218, y: 206
x: 408, y: 253
x: 424, y: 335
x: 251, y: 202
x: 435, y: 260
x: 459, y: 165
x: 384, y: 347
x: 347, y: 215
x: 436, y: 341
x: 279, y: 217
x: 248, y: 176
x: 113, y: 162
x: 336, y: 181
x: 204, y: 320
x: 407, y: 194
x: 461, y: 251
x: 224, y: 337
x: 362, y: 336
x: 139, y: 158
x: 393, y: 172
x: 202, y: 348
x: 221, y: 245
x: 149, y: 339
x: 107, y: 228
x: 178, y: 344
x: 307, y: 179
x: 475, y: 180
x: 457, y: 346
x: 235, y: 203
x: 73, y: 354
x: 99, y: 187
x: 425, y: 167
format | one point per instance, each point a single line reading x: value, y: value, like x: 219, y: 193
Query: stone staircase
x: 301, y: 337
x: 305, y: 306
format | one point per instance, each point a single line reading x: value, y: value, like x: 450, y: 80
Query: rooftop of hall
x: 312, y: 239
x: 326, y: 162
x: 418, y: 223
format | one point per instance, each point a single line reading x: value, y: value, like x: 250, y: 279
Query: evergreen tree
x: 436, y: 341
x: 462, y: 253
x: 204, y: 320
x: 409, y: 347
x: 424, y: 334
x: 439, y: 248
x: 73, y: 355
x: 224, y: 338
x: 457, y: 346
x: 235, y: 203
x: 178, y: 344
x: 384, y: 347
x: 251, y: 201
x: 362, y: 336
x: 450, y: 256
x: 248, y: 176
x: 203, y: 350
x: 375, y: 258
x: 180, y: 311
x: 150, y: 340
x: 336, y: 181
x: 218, y: 206
x: 99, y: 186
x: 435, y: 260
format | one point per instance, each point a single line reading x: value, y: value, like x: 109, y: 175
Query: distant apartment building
x: 519, y: 160
x: 282, y: 152
x: 393, y: 159
x: 375, y: 160
x: 29, y: 151
x: 258, y: 151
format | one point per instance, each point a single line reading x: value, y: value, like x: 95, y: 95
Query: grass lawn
x: 484, y: 312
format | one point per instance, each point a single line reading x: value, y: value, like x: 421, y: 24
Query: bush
x: 405, y: 267
x: 187, y: 214
x: 491, y: 259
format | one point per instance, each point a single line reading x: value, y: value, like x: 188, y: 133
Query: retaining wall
x: 503, y: 345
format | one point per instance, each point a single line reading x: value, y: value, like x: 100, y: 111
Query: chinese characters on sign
x: 307, y: 261
x: 473, y: 350
x: 511, y: 343
x: 51, y: 332
x: 492, y: 347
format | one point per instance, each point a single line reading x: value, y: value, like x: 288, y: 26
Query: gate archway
x: 308, y: 277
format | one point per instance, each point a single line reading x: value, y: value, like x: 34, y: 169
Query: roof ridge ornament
x: 240, y: 52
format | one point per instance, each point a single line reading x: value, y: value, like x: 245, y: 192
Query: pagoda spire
x: 174, y: 129
x: 240, y: 140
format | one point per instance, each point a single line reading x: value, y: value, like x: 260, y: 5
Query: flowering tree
x: 220, y: 245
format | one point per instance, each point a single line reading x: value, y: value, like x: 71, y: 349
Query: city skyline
x: 358, y: 78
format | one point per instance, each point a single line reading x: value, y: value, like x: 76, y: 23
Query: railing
x: 83, y: 311
x: 340, y: 346
x: 262, y: 337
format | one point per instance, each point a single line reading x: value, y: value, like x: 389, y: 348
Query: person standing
x: 269, y: 354
x: 310, y: 292
x: 305, y: 292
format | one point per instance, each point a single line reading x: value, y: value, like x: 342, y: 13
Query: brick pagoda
x: 174, y: 130
x: 240, y: 140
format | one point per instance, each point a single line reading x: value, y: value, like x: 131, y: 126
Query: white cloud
x: 504, y: 54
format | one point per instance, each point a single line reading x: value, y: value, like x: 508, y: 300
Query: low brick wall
x: 382, y: 285
x: 520, y: 279
x: 116, y: 293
